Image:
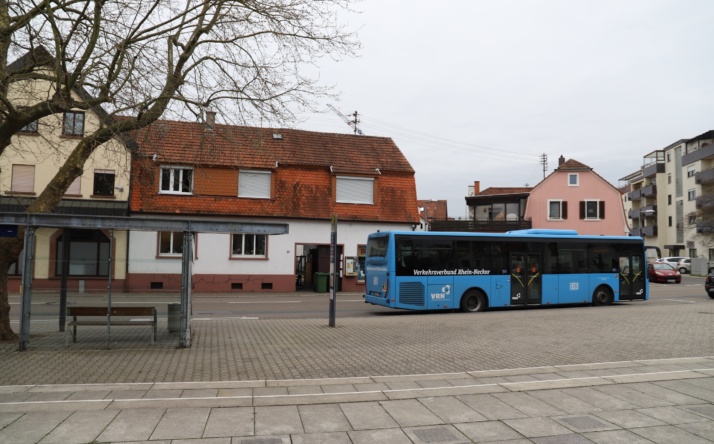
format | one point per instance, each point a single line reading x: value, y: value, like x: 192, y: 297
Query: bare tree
x: 148, y: 59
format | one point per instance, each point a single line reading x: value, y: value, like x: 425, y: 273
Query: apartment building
x: 671, y: 198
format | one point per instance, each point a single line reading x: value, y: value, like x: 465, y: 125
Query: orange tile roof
x: 303, y: 182
x: 493, y: 191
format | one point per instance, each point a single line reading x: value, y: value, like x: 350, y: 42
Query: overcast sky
x: 479, y: 90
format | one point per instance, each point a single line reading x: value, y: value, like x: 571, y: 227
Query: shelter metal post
x: 66, y: 234
x: 186, y: 282
x: 27, y: 272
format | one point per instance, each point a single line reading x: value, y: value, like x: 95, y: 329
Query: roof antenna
x: 351, y: 123
x: 544, y: 162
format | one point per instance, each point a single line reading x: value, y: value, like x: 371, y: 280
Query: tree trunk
x: 9, y: 251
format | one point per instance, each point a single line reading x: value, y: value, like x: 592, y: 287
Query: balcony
x: 649, y: 190
x: 704, y: 177
x: 649, y: 231
x: 492, y: 226
x: 704, y: 228
x: 652, y: 169
x: 706, y: 152
x: 635, y: 195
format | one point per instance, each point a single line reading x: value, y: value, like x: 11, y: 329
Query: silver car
x: 684, y: 266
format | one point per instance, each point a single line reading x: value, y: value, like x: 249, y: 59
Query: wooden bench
x: 124, y: 316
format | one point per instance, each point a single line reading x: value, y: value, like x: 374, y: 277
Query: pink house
x: 574, y: 197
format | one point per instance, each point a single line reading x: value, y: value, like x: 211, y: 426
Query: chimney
x: 477, y: 187
x: 210, y: 120
x: 561, y: 161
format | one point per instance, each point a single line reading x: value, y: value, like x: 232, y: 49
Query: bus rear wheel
x: 473, y: 301
x: 602, y: 296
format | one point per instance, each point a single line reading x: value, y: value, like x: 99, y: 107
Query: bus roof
x: 540, y: 233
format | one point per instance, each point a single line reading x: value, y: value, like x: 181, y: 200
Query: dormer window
x: 357, y: 190
x: 255, y: 184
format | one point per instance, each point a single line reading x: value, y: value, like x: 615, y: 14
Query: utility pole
x: 544, y: 162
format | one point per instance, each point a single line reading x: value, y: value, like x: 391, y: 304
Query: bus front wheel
x: 473, y: 301
x: 602, y: 296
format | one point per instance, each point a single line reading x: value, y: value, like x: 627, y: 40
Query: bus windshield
x: 377, y: 246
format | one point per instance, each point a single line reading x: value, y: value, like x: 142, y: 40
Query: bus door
x: 526, y: 279
x: 632, y: 278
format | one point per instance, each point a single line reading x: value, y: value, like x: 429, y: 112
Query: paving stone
x: 585, y: 423
x: 451, y: 410
x: 391, y: 436
x: 669, y: 434
x: 199, y: 393
x: 80, y: 427
x: 706, y: 410
x: 162, y: 394
x: 490, y: 407
x: 323, y: 418
x: 445, y: 434
x: 322, y: 438
x: 616, y: 437
x: 672, y: 415
x: 660, y: 392
x: 410, y: 413
x: 703, y: 429
x: 182, y: 423
x: 535, y: 427
x: 32, y: 427
x: 279, y: 420
x: 628, y: 419
x: 563, y: 401
x: 689, y: 389
x: 201, y: 441
x: 562, y: 439
x: 132, y: 425
x: 528, y: 404
x: 599, y: 399
x: 262, y: 440
x: 488, y: 431
x: 8, y: 418
x: 305, y: 390
x: 367, y: 415
x: 633, y: 396
x: 231, y: 421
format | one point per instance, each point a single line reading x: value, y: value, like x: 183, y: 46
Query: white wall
x: 214, y: 249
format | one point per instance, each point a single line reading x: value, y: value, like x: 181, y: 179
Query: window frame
x: 171, y: 169
x: 73, y: 131
x: 172, y: 253
x: 599, y: 209
x: 562, y: 209
x: 98, y: 173
x: 343, y: 196
x: 577, y: 179
x: 256, y: 244
x: 692, y: 194
x: 15, y: 180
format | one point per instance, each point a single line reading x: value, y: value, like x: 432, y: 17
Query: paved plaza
x: 626, y: 373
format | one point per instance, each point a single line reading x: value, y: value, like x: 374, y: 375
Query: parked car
x: 663, y: 272
x: 672, y: 260
x: 709, y: 285
x: 684, y: 266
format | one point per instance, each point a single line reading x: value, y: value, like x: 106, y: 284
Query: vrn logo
x: 445, y: 292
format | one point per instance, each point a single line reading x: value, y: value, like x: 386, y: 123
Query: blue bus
x: 476, y: 271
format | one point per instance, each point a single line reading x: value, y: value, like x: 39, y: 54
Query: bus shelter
x: 33, y: 221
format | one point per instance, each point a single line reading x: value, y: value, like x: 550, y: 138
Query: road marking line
x: 684, y: 302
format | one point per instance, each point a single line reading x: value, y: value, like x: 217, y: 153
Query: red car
x: 663, y: 272
x: 709, y: 285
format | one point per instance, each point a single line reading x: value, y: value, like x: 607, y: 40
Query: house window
x: 359, y: 190
x: 669, y: 178
x: 669, y: 199
x: 254, y: 184
x: 592, y: 209
x: 692, y: 252
x: 176, y: 180
x: 669, y: 157
x: 249, y: 245
x: 73, y: 123
x: 88, y: 253
x: 23, y: 179
x: 75, y: 188
x: 103, y: 183
x: 573, y: 180
x: 711, y: 254
x: 669, y: 221
x: 691, y: 171
x: 30, y: 127
x: 692, y: 194
x: 170, y: 243
x: 692, y: 220
x: 557, y: 210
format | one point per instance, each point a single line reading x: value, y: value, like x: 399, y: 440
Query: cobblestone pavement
x: 626, y: 373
